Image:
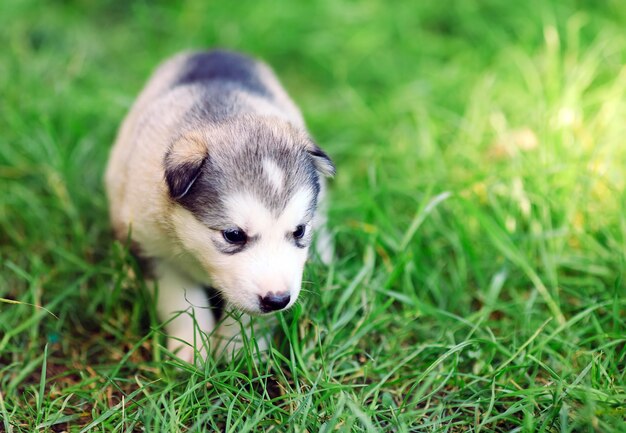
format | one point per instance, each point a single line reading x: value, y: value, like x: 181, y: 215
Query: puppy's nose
x: 274, y: 302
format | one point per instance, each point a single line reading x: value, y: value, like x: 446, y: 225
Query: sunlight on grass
x: 478, y: 216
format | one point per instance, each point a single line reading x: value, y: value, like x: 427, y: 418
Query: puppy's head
x: 244, y: 195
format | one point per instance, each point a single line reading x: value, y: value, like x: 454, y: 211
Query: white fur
x: 271, y: 264
x: 274, y: 174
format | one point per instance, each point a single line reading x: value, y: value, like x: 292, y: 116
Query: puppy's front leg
x: 186, y: 302
x: 227, y: 339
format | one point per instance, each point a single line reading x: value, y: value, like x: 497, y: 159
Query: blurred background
x: 516, y: 106
x: 480, y: 154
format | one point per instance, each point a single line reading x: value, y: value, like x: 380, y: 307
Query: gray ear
x: 321, y: 160
x: 183, y: 164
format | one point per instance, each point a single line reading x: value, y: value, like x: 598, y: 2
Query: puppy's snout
x: 274, y: 302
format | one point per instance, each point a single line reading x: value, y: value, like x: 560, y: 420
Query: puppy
x: 217, y: 182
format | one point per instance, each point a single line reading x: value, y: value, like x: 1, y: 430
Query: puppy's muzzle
x: 274, y: 302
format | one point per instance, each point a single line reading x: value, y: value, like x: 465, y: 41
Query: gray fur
x: 220, y: 68
x: 219, y: 79
x: 239, y: 168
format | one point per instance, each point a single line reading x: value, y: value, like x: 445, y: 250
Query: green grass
x: 478, y: 214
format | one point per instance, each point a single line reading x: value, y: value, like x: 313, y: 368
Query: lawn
x: 478, y: 213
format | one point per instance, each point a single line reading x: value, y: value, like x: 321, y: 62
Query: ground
x: 478, y: 216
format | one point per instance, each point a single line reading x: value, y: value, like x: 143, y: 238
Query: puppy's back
x: 223, y: 68
x: 211, y: 75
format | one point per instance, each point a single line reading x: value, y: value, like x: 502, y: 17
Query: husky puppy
x: 216, y: 180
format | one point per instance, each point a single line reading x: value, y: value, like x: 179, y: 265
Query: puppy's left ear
x: 321, y: 160
x: 183, y: 164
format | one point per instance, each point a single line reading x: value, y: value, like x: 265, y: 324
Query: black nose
x: 272, y: 302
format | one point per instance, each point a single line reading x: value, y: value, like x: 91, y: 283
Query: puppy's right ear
x: 183, y: 163
x: 321, y: 160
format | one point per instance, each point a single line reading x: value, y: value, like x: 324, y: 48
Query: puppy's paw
x: 226, y: 350
x: 182, y: 346
x: 324, y: 246
x: 239, y: 332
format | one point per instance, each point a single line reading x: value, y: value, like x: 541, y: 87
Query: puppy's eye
x: 235, y: 236
x: 299, y: 232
